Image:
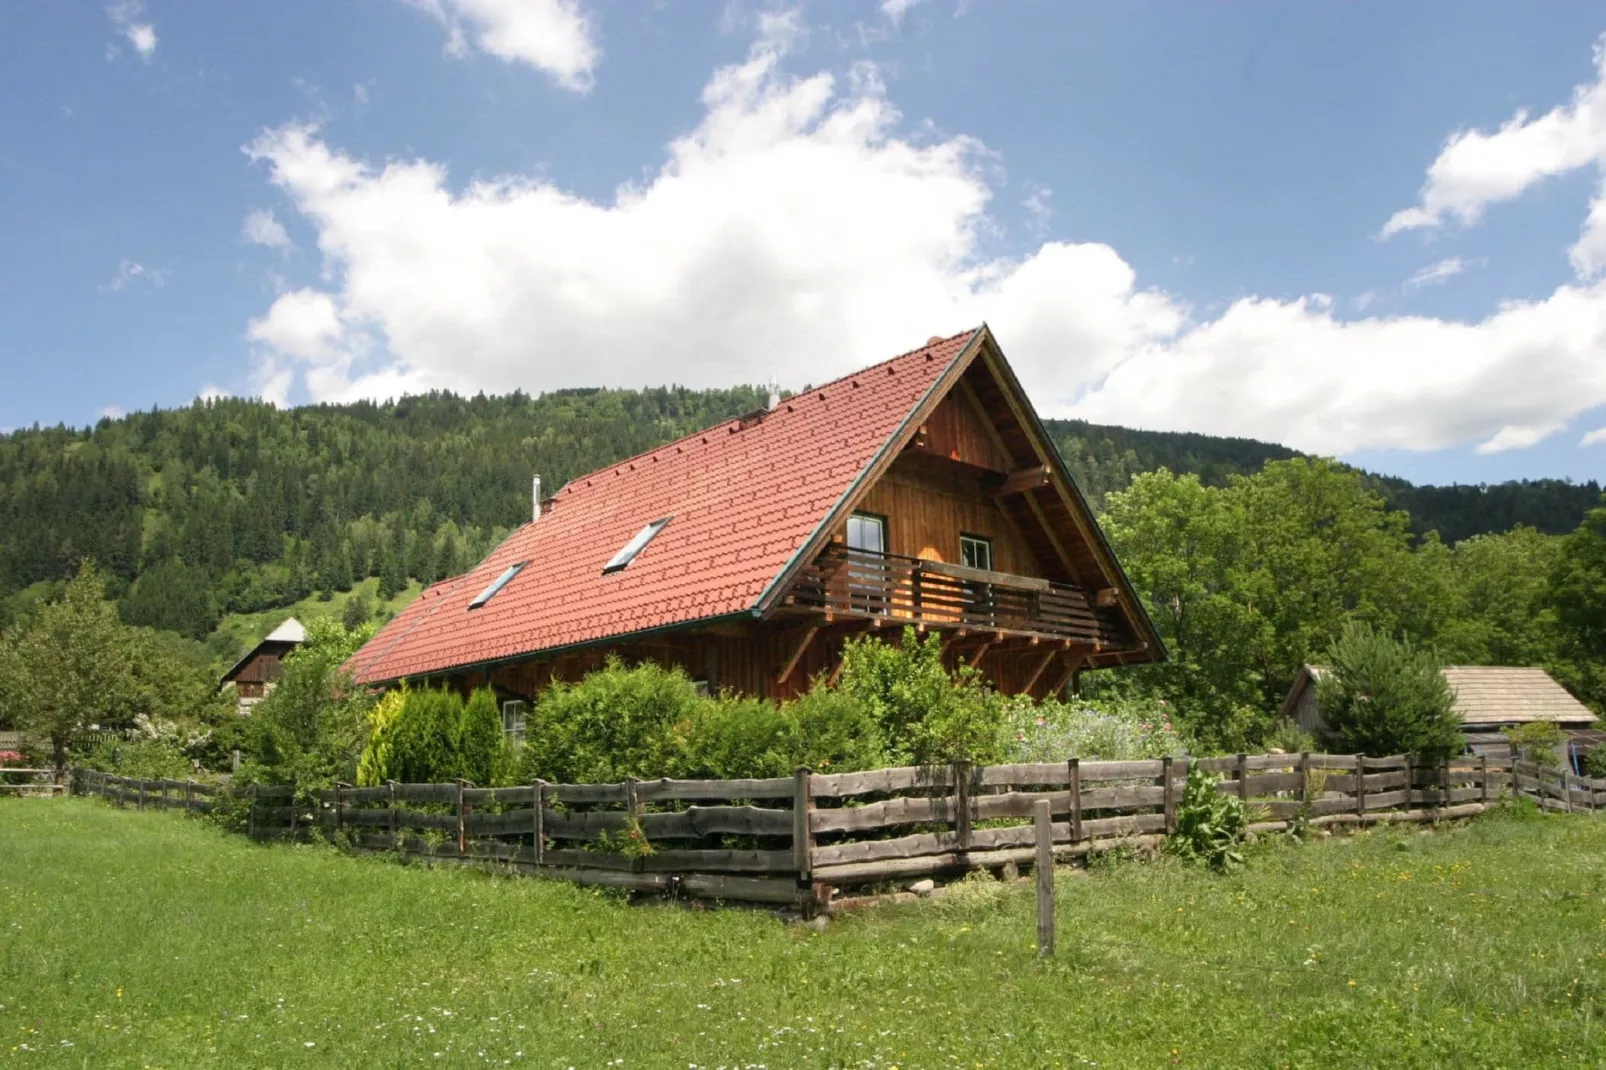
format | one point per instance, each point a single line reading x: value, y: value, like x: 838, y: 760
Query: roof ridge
x: 930, y: 343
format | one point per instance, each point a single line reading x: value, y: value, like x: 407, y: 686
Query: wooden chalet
x: 254, y: 675
x: 922, y: 491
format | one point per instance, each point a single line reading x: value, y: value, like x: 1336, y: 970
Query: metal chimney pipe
x: 535, y: 499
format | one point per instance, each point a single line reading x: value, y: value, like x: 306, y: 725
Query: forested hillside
x: 234, y: 506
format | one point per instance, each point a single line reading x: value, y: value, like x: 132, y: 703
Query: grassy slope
x: 239, y: 632
x: 148, y: 939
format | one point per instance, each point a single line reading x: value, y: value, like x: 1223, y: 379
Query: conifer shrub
x: 618, y: 722
x: 1380, y: 695
x: 424, y: 738
x: 481, y: 744
x: 378, y: 756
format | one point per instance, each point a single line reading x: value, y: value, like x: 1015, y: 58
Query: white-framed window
x: 514, y: 714
x: 976, y: 552
x: 867, y: 532
x: 497, y: 584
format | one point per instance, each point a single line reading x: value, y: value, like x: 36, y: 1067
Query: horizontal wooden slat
x: 697, y: 821
x: 838, y: 785
x: 579, y: 794
x: 1266, y: 783
x: 427, y: 793
x: 1025, y: 773
x: 899, y: 811
x: 769, y: 788
x: 1118, y: 798
x: 712, y: 861
x: 877, y: 850
x: 1383, y: 800
x: 1093, y: 772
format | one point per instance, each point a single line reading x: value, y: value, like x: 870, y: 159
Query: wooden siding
x: 264, y: 667
x: 926, y: 515
x: 955, y: 431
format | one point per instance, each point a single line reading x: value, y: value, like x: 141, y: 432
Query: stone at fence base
x: 817, y: 924
x: 925, y: 887
x: 1009, y: 871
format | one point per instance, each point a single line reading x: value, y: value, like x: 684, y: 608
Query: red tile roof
x: 744, y: 496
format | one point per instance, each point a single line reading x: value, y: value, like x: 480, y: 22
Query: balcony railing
x: 861, y: 583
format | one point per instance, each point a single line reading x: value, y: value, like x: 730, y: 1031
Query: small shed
x: 1488, y: 699
x: 254, y: 675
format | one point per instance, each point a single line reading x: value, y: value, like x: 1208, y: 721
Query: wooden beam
x: 981, y: 651
x: 797, y: 653
x: 1073, y: 663
x: 1053, y: 539
x: 1106, y: 596
x: 1037, y: 673
x: 1026, y: 479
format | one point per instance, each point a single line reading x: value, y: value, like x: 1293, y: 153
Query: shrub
x: 423, y: 741
x: 309, y: 731
x: 833, y: 732
x: 1110, y: 729
x: 616, y: 723
x: 926, y: 714
x: 1381, y: 696
x: 379, y: 755
x: 1595, y: 762
x: 146, y: 759
x: 729, y: 738
x: 1538, y: 742
x: 1210, y: 825
x: 481, y: 744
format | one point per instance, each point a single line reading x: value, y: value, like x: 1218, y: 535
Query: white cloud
x: 1593, y: 438
x: 895, y: 10
x: 211, y: 392
x: 141, y: 35
x: 1477, y: 169
x: 554, y: 36
x: 112, y: 412
x: 1440, y: 271
x: 799, y: 230
x: 261, y: 228
x: 1039, y: 205
x: 131, y: 271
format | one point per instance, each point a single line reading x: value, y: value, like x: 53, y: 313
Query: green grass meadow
x: 133, y: 939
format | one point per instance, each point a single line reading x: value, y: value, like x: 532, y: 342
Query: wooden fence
x: 126, y: 792
x: 797, y: 840
x: 34, y: 780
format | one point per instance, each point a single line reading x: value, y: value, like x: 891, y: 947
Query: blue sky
x: 1363, y: 229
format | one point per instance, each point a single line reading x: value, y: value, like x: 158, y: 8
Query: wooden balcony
x: 858, y: 583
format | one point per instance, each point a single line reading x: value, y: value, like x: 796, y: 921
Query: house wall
x: 956, y: 431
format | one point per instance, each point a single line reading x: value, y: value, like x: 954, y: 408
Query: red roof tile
x: 744, y: 497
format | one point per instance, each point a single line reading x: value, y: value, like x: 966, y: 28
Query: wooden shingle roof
x: 1499, y: 694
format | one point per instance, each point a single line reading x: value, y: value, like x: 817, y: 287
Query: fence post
x: 1044, y: 823
x: 1303, y: 794
x: 1170, y: 795
x: 1483, y: 779
x: 251, y: 815
x: 340, y: 816
x: 1243, y: 778
x: 189, y: 795
x: 1076, y: 799
x: 538, y: 798
x: 802, y: 826
x: 961, y: 799
x: 141, y: 804
x: 394, y: 823
x: 1410, y: 782
x: 1566, y: 793
x: 1360, y: 786
x: 462, y: 825
x: 1444, y: 783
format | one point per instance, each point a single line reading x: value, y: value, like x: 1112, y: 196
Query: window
x: 867, y: 532
x: 976, y: 552
x: 496, y: 585
x: 514, y: 714
x: 635, y: 546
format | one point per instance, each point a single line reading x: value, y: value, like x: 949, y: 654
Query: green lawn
x: 147, y: 939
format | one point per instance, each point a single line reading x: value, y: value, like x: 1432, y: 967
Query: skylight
x: 635, y: 546
x: 497, y: 584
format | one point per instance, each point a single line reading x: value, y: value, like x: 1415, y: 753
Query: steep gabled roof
x: 742, y: 498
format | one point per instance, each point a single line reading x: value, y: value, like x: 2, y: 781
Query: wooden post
x: 1444, y: 783
x: 961, y: 797
x: 394, y: 842
x: 1360, y: 784
x: 1304, y: 777
x: 1076, y: 799
x: 462, y: 824
x: 189, y: 795
x: 140, y: 805
x: 1243, y: 778
x: 1566, y: 793
x: 1044, y: 822
x: 340, y: 805
x: 251, y: 815
x: 802, y: 827
x: 538, y: 797
x: 1410, y: 783
x: 1170, y: 795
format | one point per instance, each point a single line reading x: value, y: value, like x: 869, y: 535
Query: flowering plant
x: 1109, y: 730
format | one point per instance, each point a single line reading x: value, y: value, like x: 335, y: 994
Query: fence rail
x: 797, y: 840
x: 42, y: 780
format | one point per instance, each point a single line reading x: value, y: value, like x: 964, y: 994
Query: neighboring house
x: 1488, y: 699
x: 921, y: 491
x: 254, y: 675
